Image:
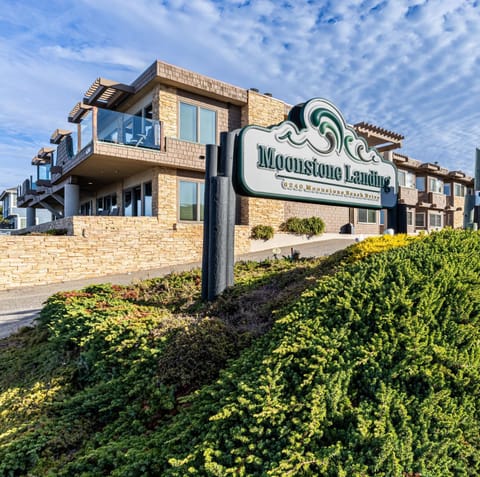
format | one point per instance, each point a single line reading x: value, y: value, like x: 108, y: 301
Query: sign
x: 316, y: 157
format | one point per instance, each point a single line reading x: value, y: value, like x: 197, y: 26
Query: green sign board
x: 314, y: 156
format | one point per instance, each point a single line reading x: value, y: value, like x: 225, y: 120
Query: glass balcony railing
x: 121, y: 128
x: 43, y: 172
x: 112, y: 127
x: 117, y: 128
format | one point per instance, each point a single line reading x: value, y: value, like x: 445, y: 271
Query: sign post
x: 314, y: 156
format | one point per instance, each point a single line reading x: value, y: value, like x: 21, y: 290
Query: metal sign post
x: 314, y: 157
x: 219, y: 219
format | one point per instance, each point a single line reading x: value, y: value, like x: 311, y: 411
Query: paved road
x: 20, y: 306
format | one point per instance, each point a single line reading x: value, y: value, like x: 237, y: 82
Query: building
x: 16, y: 217
x: 139, y: 150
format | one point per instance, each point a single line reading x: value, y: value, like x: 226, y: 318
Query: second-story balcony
x: 435, y: 199
x: 107, y: 145
x: 407, y: 195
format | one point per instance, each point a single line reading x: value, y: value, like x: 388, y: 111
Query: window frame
x: 435, y: 185
x: 417, y: 215
x: 436, y: 215
x: 461, y: 187
x: 420, y: 179
x: 110, y: 199
x: 368, y: 217
x: 409, y: 217
x: 137, y: 200
x: 406, y: 179
x: 198, y: 123
x: 199, y: 205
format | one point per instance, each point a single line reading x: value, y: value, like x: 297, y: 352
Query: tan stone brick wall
x: 184, y: 154
x: 168, y: 110
x: 458, y: 215
x: 102, y: 246
x: 265, y: 212
x: 167, y: 196
x: 334, y: 217
x: 262, y: 110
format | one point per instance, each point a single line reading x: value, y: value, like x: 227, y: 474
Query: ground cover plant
x: 372, y: 370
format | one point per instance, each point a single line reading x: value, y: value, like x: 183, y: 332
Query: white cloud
x: 407, y: 65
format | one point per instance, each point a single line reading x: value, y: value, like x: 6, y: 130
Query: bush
x: 262, y: 232
x: 309, y: 226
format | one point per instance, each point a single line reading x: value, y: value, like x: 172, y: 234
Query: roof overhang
x: 380, y: 138
x: 58, y: 135
x: 44, y: 156
x: 78, y: 112
x: 106, y: 93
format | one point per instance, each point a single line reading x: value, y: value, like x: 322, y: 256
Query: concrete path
x: 20, y: 306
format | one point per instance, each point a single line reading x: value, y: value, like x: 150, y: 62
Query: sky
x: 409, y: 66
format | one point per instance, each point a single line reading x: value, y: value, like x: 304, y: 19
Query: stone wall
x: 101, y: 246
x: 334, y: 217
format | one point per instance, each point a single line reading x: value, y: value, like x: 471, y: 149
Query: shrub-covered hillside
x: 371, y: 371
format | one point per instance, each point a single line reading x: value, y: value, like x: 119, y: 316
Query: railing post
x: 79, y: 137
x: 94, y: 124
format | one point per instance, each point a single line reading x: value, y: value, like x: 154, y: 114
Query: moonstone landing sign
x: 314, y: 156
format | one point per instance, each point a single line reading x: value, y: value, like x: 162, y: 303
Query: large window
x: 420, y: 184
x: 406, y: 179
x: 198, y: 124
x: 191, y: 196
x: 435, y: 185
x: 106, y: 204
x: 435, y: 220
x: 367, y: 216
x: 447, y: 189
x: 135, y: 203
x: 420, y: 219
x: 459, y: 190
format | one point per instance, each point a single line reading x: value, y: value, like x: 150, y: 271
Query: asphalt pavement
x: 20, y: 306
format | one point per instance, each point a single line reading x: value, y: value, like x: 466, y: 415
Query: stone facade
x: 108, y: 244
x: 101, y: 246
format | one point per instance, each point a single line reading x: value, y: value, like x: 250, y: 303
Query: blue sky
x: 409, y: 66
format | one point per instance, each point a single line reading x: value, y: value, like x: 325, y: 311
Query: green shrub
x: 262, y: 232
x: 309, y: 226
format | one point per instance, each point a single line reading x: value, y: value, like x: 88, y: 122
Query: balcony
x: 435, y: 200
x: 103, y: 140
x: 407, y: 195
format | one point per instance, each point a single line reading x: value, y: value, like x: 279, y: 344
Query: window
x: 459, y: 190
x: 367, y: 216
x: 191, y: 195
x: 420, y: 219
x: 132, y: 202
x: 435, y: 185
x: 142, y: 119
x: 106, y: 204
x: 382, y: 217
x: 86, y: 208
x: 147, y: 199
x: 137, y: 201
x: 409, y: 217
x: 435, y: 220
x: 420, y: 184
x: 13, y: 198
x: 198, y: 124
x: 449, y: 220
x: 447, y: 189
x: 406, y: 179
